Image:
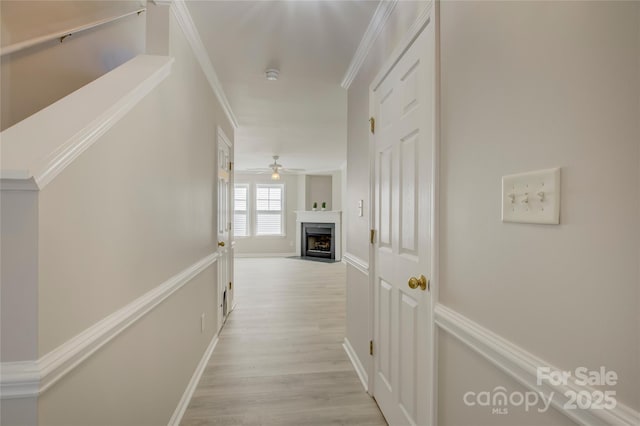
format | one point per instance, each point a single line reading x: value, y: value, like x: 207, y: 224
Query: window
x: 269, y: 205
x: 241, y: 211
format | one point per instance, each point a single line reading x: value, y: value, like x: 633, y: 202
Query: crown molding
x: 377, y: 23
x: 182, y: 14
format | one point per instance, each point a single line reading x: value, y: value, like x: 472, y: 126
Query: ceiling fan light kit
x: 272, y: 74
x: 276, y: 169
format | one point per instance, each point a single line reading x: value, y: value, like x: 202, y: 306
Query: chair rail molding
x: 353, y: 260
x: 38, y: 148
x: 377, y: 23
x: 182, y: 14
x: 31, y: 378
x: 522, y: 366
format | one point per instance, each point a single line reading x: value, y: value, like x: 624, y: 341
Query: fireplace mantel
x: 319, y: 216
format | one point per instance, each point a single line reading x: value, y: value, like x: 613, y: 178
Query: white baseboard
x: 357, y: 365
x: 260, y: 255
x: 522, y: 366
x: 176, y: 418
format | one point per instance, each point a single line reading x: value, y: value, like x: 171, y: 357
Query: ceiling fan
x: 275, y: 169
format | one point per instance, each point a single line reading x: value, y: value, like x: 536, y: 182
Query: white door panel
x: 403, y: 142
x: 224, y: 228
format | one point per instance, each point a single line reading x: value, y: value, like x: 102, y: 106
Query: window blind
x: 269, y: 210
x: 240, y: 211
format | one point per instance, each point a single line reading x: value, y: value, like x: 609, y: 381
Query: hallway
x: 280, y: 358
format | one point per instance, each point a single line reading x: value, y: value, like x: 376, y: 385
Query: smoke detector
x: 272, y: 74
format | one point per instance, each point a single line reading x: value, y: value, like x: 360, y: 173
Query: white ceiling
x: 303, y: 116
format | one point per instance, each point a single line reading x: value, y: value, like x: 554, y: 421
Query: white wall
x: 339, y: 199
x: 33, y: 78
x: 525, y: 86
x: 357, y: 179
x: 336, y: 190
x: 270, y: 245
x: 136, y: 208
x: 552, y: 84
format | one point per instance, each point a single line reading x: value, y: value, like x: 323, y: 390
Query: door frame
x: 221, y: 137
x: 430, y: 15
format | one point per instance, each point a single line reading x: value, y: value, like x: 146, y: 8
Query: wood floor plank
x: 280, y: 359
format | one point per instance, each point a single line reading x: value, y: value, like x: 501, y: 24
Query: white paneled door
x: 225, y: 212
x: 403, y: 106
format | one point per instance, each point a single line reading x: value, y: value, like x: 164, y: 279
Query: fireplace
x: 318, y: 240
x: 331, y: 220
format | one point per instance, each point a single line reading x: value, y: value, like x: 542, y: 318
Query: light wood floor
x: 280, y: 359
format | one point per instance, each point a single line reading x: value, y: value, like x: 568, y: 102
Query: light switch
x: 532, y: 197
x: 360, y: 204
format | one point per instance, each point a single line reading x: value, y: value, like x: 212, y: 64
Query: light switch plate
x: 532, y: 197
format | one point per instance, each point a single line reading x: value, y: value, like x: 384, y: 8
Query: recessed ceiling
x: 303, y: 115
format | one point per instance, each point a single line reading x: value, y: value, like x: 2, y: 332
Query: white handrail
x: 12, y: 48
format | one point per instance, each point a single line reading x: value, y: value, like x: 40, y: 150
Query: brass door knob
x: 421, y: 282
x: 220, y: 243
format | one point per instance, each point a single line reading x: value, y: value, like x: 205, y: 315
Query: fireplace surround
x: 323, y: 218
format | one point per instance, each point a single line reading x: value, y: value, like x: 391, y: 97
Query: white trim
x: 357, y: 365
x: 19, y: 379
x: 222, y: 135
x: 435, y: 222
x: 263, y: 255
x: 372, y: 246
x: 353, y: 260
x: 522, y: 366
x: 193, y: 384
x: 30, y: 378
x: 377, y: 23
x: 183, y: 16
x: 412, y: 33
x: 18, y: 185
x: 39, y: 148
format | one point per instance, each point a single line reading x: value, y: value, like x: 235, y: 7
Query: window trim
x: 283, y: 210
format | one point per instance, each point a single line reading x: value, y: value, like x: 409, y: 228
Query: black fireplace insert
x: 318, y: 240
